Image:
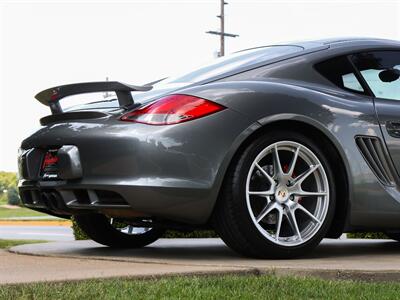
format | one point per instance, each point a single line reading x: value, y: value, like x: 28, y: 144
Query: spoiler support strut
x: 51, y: 97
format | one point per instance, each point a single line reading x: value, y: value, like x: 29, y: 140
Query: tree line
x: 8, y: 188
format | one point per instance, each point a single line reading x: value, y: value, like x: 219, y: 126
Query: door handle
x: 393, y: 128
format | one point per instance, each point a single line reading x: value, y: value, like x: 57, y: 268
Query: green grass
x: 10, y: 243
x: 212, y: 287
x: 18, y: 212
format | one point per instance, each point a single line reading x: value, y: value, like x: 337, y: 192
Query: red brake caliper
x: 286, y: 169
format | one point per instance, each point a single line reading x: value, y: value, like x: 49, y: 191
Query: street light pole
x: 222, y: 34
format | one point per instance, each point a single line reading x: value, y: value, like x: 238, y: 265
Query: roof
x: 349, y: 41
x: 339, y: 42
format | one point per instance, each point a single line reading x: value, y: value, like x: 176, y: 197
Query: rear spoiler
x: 52, y: 96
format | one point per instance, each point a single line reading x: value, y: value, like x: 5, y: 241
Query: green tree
x: 13, y: 197
x: 8, y: 180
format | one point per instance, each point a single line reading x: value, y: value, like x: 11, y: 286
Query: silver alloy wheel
x: 286, y: 214
x: 129, y: 229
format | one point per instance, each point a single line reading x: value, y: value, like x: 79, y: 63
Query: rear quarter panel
x: 340, y: 116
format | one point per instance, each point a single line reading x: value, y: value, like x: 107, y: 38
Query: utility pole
x: 106, y: 94
x: 222, y: 33
x: 222, y: 19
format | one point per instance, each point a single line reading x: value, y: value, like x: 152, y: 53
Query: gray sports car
x: 274, y: 147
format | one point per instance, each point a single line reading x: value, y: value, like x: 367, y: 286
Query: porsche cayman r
x: 274, y: 147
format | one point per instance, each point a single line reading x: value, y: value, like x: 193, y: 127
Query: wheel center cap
x: 281, y: 194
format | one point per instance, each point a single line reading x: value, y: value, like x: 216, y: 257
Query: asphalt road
x: 47, y: 233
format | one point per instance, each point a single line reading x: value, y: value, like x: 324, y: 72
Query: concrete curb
x: 377, y: 260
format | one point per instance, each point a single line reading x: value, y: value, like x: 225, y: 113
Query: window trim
x: 365, y: 92
x: 360, y: 78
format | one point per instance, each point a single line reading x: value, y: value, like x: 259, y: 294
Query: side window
x: 340, y: 72
x: 351, y: 82
x: 381, y: 71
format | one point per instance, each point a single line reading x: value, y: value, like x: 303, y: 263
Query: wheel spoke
x: 293, y: 162
x: 265, y: 211
x: 309, y: 194
x: 270, y: 179
x: 303, y: 176
x: 276, y: 179
x: 293, y: 223
x: 303, y: 209
x: 277, y: 162
x: 278, y: 224
x: 130, y: 229
x: 261, y: 193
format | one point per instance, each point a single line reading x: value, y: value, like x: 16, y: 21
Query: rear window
x: 340, y: 72
x: 231, y: 62
x: 97, y: 100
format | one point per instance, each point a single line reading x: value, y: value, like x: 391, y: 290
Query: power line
x: 222, y: 33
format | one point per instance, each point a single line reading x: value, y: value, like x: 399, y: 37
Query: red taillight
x: 49, y: 159
x: 173, y: 109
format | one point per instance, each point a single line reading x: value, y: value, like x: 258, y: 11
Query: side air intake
x: 377, y: 158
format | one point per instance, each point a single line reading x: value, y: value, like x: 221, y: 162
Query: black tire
x: 99, y: 229
x: 231, y: 216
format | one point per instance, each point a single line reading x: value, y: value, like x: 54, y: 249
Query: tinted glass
x: 231, y: 62
x: 374, y: 65
x: 341, y: 73
x: 89, y: 101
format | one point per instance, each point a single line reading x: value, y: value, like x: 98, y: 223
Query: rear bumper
x: 172, y: 172
x: 66, y: 198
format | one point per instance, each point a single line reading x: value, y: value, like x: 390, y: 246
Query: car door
x: 380, y: 71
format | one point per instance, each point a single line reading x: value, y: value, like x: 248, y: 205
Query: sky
x: 49, y: 43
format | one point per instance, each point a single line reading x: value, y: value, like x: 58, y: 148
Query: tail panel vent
x: 377, y: 158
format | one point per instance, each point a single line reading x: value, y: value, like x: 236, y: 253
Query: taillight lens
x: 173, y: 109
x: 50, y: 159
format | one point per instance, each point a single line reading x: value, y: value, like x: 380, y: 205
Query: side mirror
x: 389, y: 75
